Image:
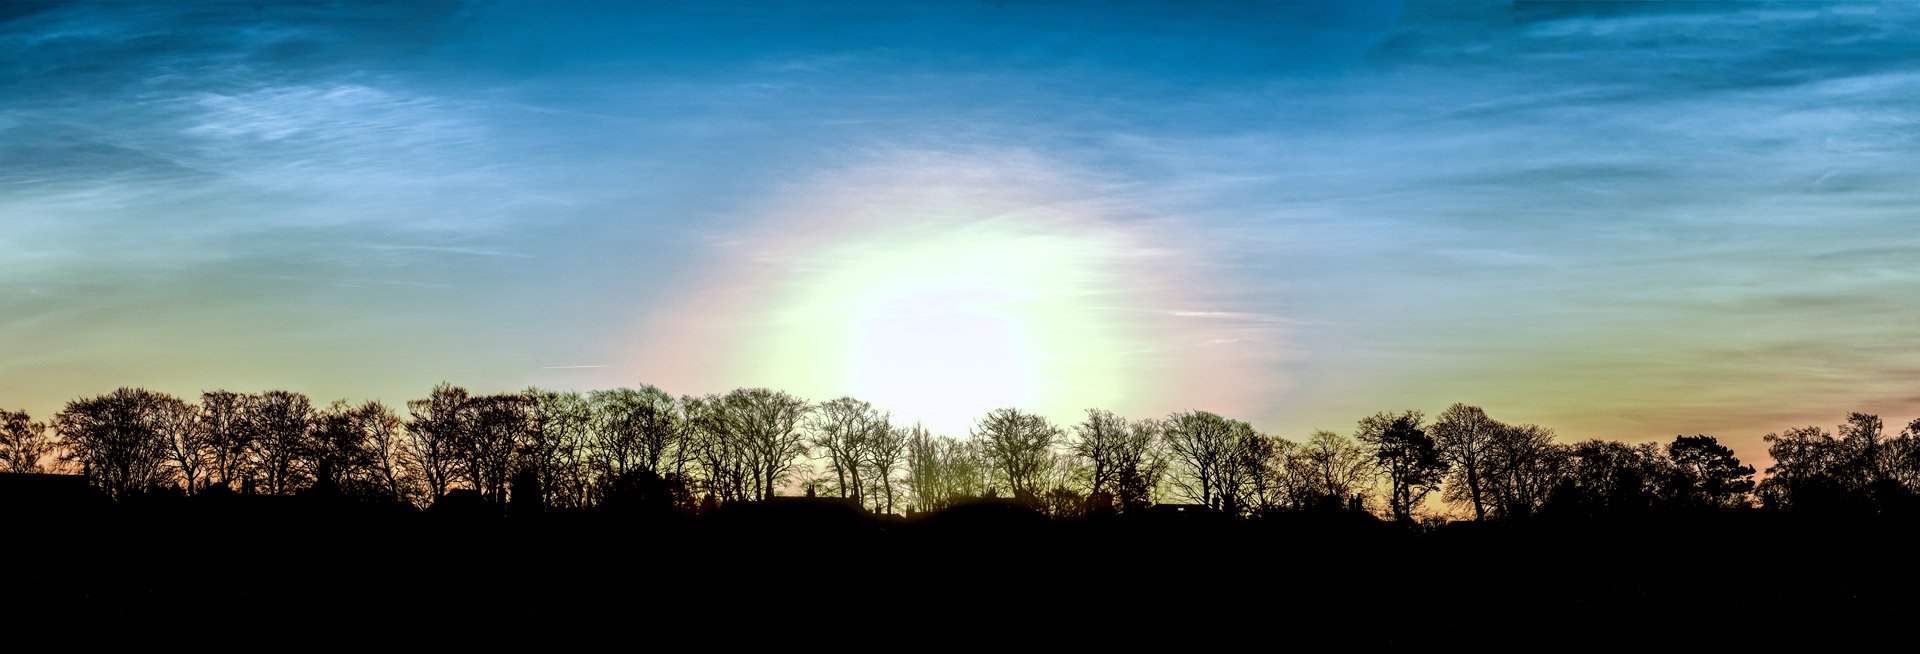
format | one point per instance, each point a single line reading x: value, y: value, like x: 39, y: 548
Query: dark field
x: 821, y: 574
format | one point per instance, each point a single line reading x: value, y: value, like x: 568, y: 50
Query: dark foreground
x: 818, y: 575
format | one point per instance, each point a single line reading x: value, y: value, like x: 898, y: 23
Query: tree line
x: 563, y: 450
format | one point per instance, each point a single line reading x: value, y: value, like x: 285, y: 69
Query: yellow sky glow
x: 941, y: 324
x: 942, y: 289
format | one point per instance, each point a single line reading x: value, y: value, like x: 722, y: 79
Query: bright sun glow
x: 941, y: 287
x: 942, y: 324
x: 941, y: 329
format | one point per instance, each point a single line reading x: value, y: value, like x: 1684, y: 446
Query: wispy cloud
x: 447, y: 249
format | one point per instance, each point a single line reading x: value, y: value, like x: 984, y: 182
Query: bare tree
x: 923, y: 473
x: 1287, y: 479
x: 718, y: 453
x: 496, y: 445
x: 224, y: 421
x: 1465, y: 436
x: 766, y: 425
x: 23, y: 442
x: 635, y: 428
x: 1813, y: 468
x: 1525, y: 464
x: 1256, y: 483
x: 188, y: 446
x: 433, y: 439
x: 1141, y: 465
x: 1104, y: 441
x: 114, y: 441
x: 384, y: 438
x: 619, y: 422
x: 1902, y: 457
x: 1204, y: 444
x: 1063, y: 496
x: 281, y: 422
x: 1808, y: 469
x: 358, y: 449
x: 842, y: 428
x: 943, y: 471
x: 882, y: 457
x: 682, y: 458
x: 1339, y: 469
x: 1612, y: 476
x: 1247, y: 468
x: 1860, y: 457
x: 659, y: 427
x: 1018, y: 447
x: 337, y: 453
x: 562, y: 457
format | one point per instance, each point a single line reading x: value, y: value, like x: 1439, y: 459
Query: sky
x: 1621, y: 220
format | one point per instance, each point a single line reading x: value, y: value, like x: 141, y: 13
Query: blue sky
x: 1621, y: 220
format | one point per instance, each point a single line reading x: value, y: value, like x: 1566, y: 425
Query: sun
x: 939, y: 324
x: 942, y: 329
x: 939, y: 288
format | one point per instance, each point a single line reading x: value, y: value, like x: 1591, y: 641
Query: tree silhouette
x: 501, y: 433
x: 114, y: 440
x: 943, y: 471
x: 562, y: 457
x: 1290, y: 477
x: 1338, y: 469
x: 1405, y: 456
x: 683, y: 466
x: 1062, y: 502
x: 925, y: 473
x: 1017, y: 447
x: 1465, y: 437
x: 359, y: 450
x: 23, y: 442
x: 1222, y: 463
x: 1610, y: 477
x: 189, y: 446
x: 1143, y: 467
x: 1524, y: 465
x: 223, y: 420
x: 721, y: 456
x: 433, y: 439
x: 660, y: 430
x: 1860, y: 451
x: 1814, y: 470
x: 766, y: 426
x: 1709, y: 474
x: 1276, y: 476
x: 1123, y: 460
x: 337, y: 455
x: 844, y: 428
x: 1802, y: 475
x: 1202, y: 442
x: 634, y: 428
x: 885, y: 451
x: 618, y: 419
x: 1901, y: 461
x: 280, y: 423
x: 383, y: 437
x: 569, y: 450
